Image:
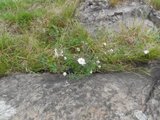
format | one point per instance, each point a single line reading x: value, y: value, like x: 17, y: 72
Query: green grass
x: 113, y: 3
x: 7, y: 4
x: 50, y: 39
x: 156, y: 4
x: 20, y: 13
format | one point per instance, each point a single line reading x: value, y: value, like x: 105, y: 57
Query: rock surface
x: 97, y: 14
x: 154, y: 16
x: 116, y: 96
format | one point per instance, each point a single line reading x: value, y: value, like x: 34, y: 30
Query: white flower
x: 44, y: 30
x: 78, y: 49
x: 91, y: 72
x: 99, y: 66
x: 55, y: 52
x: 81, y: 61
x: 65, y: 58
x: 104, y: 44
x: 146, y: 51
x: 58, y: 53
x: 98, y: 62
x: 111, y: 50
x: 64, y: 73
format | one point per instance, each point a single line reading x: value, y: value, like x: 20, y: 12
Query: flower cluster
x: 58, y: 53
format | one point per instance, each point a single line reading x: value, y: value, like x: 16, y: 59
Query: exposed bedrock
x: 115, y: 96
x: 97, y: 14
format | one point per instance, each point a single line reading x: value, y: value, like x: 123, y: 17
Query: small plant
x: 73, y: 51
x: 24, y: 18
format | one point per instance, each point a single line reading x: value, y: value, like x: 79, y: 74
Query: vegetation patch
x: 113, y: 3
x: 55, y: 42
x: 156, y: 4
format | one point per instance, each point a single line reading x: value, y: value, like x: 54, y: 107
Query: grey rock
x: 153, y: 106
x: 140, y: 115
x: 6, y: 111
x: 154, y: 16
x: 115, y: 96
x: 94, y: 17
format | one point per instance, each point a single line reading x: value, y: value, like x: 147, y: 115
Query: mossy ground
x: 41, y: 36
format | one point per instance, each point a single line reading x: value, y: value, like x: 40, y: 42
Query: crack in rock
x: 153, y: 98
